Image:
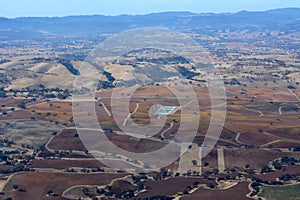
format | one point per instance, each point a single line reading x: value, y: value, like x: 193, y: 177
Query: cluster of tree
x: 289, y: 160
x: 51, y: 193
x: 266, y: 169
x: 289, y: 177
x: 109, y: 192
x: 138, y: 181
x: 297, y: 148
x: 41, y: 59
x: 207, y: 174
x: 4, y: 61
x: 18, y: 168
x: 291, y: 87
x: 87, y: 193
x: 69, y: 66
x: 43, y: 92
x: 58, y: 153
x: 92, y: 170
x: 233, y: 81
x: 109, y: 76
x: 290, y: 108
x: 2, y: 93
x: 112, y: 192
x: 6, y: 142
x: 16, y: 187
x: 22, y: 105
x: 105, y: 85
x: 158, y: 197
x: 256, y: 186
x: 279, y: 164
x: 190, y: 187
x: 71, y: 170
x: 161, y: 175
x: 256, y: 183
x: 186, y: 73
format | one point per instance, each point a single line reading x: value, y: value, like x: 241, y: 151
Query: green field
x: 291, y: 192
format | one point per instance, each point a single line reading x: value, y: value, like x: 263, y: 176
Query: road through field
x: 105, y: 108
x: 293, y: 93
x: 170, y: 127
x: 129, y: 115
x: 252, y: 110
x: 280, y: 110
x: 221, y: 161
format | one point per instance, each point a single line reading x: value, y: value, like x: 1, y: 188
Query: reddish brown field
x: 122, y: 185
x: 67, y: 140
x: 237, y: 192
x: 37, y: 184
x: 292, y: 132
x: 55, y: 111
x: 10, y: 102
x: 60, y: 112
x: 297, y: 92
x: 170, y: 186
x: 238, y: 118
x: 243, y: 116
x: 257, y: 139
x: 267, y: 94
x: 18, y: 114
x: 65, y: 164
x: 285, y: 144
x: 5, y: 168
x: 211, y: 159
x: 294, y: 169
x: 254, y: 157
x: 140, y: 146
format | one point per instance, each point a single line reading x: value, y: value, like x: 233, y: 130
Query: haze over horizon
x: 58, y: 8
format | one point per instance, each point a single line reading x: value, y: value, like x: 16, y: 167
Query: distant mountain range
x: 287, y: 19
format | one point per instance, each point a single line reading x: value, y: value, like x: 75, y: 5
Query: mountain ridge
x: 98, y: 24
x: 287, y: 9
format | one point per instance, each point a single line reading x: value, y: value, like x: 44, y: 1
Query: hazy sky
x: 16, y: 8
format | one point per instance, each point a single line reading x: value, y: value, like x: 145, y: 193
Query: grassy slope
x: 291, y: 192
